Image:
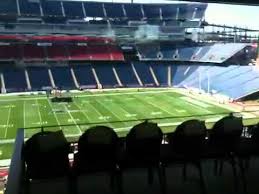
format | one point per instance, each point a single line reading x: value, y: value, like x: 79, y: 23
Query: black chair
x: 247, y: 148
x: 142, y: 150
x: 185, y: 146
x: 97, y: 152
x: 46, y: 157
x: 223, y: 139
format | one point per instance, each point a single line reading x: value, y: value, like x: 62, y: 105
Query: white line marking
x: 54, y: 114
x: 39, y: 111
x: 7, y: 123
x: 73, y: 120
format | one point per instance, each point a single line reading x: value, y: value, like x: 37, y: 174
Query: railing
x: 14, y: 183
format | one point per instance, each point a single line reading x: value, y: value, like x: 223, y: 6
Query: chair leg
x: 233, y: 163
x: 112, y: 180
x: 215, y: 167
x: 119, y: 181
x: 242, y: 170
x: 162, y: 179
x: 184, y: 172
x: 221, y: 163
x: 150, y: 176
x: 202, y: 182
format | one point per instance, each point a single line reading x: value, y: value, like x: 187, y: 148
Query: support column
x: 99, y: 86
x: 51, y: 78
x: 169, y: 76
x: 3, y: 89
x: 154, y: 76
x: 74, y: 77
x: 136, y: 74
x: 116, y: 76
x: 27, y: 79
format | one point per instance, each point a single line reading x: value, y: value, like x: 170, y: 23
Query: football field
x: 117, y: 109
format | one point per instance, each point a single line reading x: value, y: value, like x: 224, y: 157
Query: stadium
x: 74, y: 65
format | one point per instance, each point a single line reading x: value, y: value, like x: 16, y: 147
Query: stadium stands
x: 84, y: 76
x: 145, y: 74
x: 62, y: 77
x: 105, y: 75
x: 126, y: 75
x: 15, y: 80
x: 39, y: 78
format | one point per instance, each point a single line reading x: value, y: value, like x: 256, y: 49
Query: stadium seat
x: 142, y: 150
x: 185, y: 146
x: 46, y: 158
x: 57, y: 52
x: 97, y: 152
x: 223, y: 139
x: 84, y: 76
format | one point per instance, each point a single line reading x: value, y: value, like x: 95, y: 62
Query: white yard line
x: 39, y: 111
x: 80, y: 110
x: 79, y: 130
x: 7, y: 124
x: 55, y: 115
x: 24, y: 114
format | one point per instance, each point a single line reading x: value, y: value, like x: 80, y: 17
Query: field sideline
x: 119, y: 110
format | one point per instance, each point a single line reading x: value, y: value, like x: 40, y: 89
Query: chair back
x: 226, y: 132
x: 97, y: 149
x: 144, y: 141
x: 189, y: 137
x: 46, y: 155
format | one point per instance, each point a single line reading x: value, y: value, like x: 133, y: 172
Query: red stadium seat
x: 79, y: 53
x: 33, y: 52
x: 57, y: 52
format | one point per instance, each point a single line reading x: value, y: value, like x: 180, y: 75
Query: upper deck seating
x: 39, y: 77
x: 133, y: 11
x: 79, y: 52
x: 116, y: 54
x: 57, y: 52
x: 29, y: 8
x: 94, y: 9
x: 169, y: 11
x: 10, y: 52
x: 62, y: 77
x: 8, y: 7
x: 33, y: 52
x: 14, y: 80
x: 73, y: 9
x: 152, y: 11
x: 114, y: 10
x: 52, y: 8
x: 99, y: 52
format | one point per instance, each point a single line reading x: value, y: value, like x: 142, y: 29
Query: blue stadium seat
x: 126, y: 75
x: 186, y: 54
x: 200, y: 11
x: 144, y: 73
x: 39, y: 77
x: 14, y: 80
x: 30, y: 8
x: 114, y: 10
x: 169, y: 11
x: 62, y: 77
x: 84, y: 75
x: 52, y: 8
x: 105, y: 75
x: 183, y: 11
x: 151, y: 11
x: 94, y: 9
x: 8, y: 7
x: 73, y: 9
x: 160, y: 70
x: 133, y: 11
x: 182, y: 73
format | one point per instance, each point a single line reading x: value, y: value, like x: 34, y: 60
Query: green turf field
x: 119, y: 110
